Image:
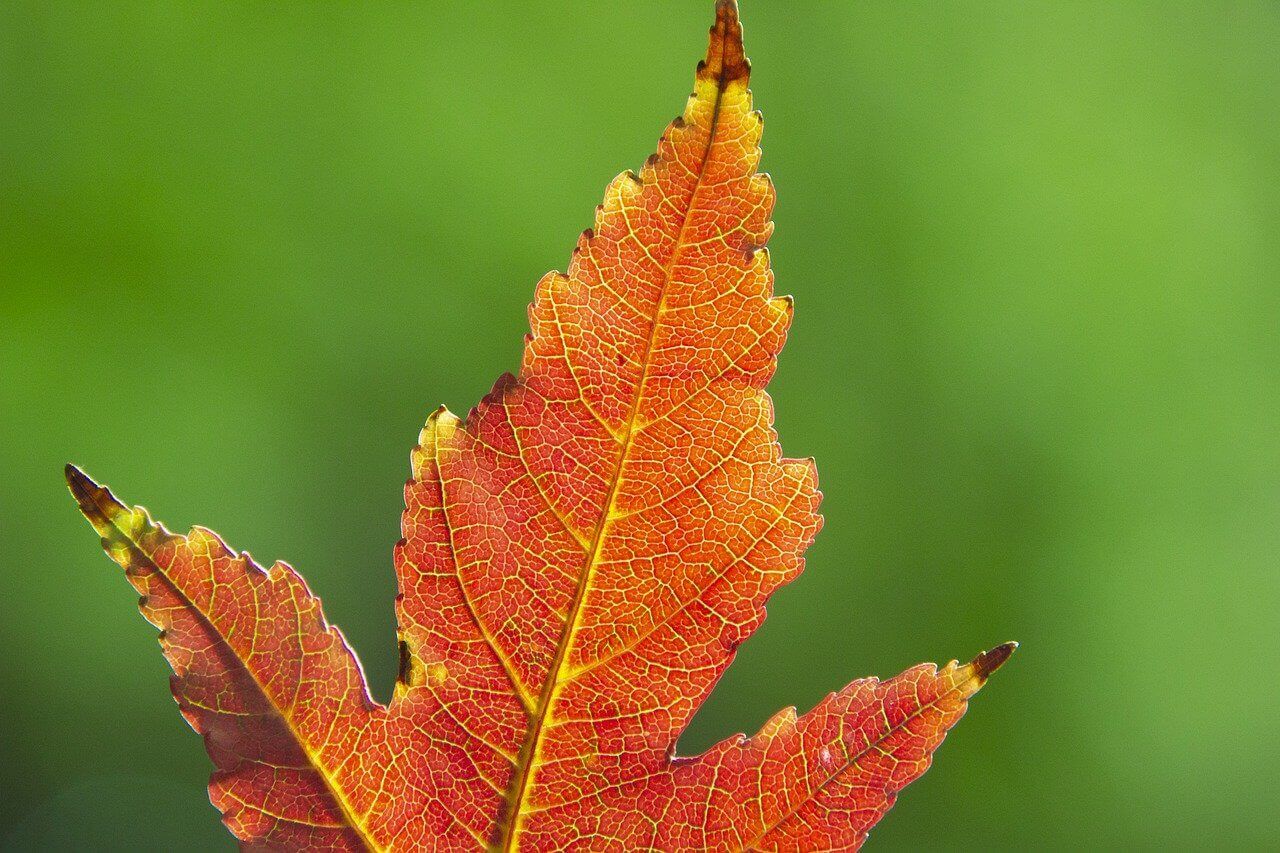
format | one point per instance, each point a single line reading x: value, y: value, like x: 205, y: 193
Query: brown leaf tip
x: 96, y: 502
x: 75, y: 477
x: 989, y: 661
x: 725, y: 60
x: 85, y: 491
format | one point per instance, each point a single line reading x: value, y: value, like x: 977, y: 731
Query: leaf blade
x: 607, y: 395
x: 581, y: 557
x: 229, y: 690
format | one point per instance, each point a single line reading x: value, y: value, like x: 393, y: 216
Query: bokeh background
x: 245, y: 248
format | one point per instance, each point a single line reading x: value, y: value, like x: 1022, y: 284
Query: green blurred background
x: 245, y: 248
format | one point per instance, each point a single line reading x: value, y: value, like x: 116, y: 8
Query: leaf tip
x: 96, y: 502
x: 84, y: 490
x: 73, y: 474
x: 726, y: 62
x: 992, y: 659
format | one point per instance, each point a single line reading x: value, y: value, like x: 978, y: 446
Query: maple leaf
x: 582, y: 556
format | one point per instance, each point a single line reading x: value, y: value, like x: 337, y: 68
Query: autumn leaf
x: 582, y: 556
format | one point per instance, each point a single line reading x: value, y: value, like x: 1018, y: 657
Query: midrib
x: 551, y: 687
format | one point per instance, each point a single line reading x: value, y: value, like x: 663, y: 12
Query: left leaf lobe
x: 274, y: 690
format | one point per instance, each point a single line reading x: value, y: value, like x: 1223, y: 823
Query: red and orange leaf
x: 582, y: 556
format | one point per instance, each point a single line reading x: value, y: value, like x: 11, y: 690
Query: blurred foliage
x: 245, y: 248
